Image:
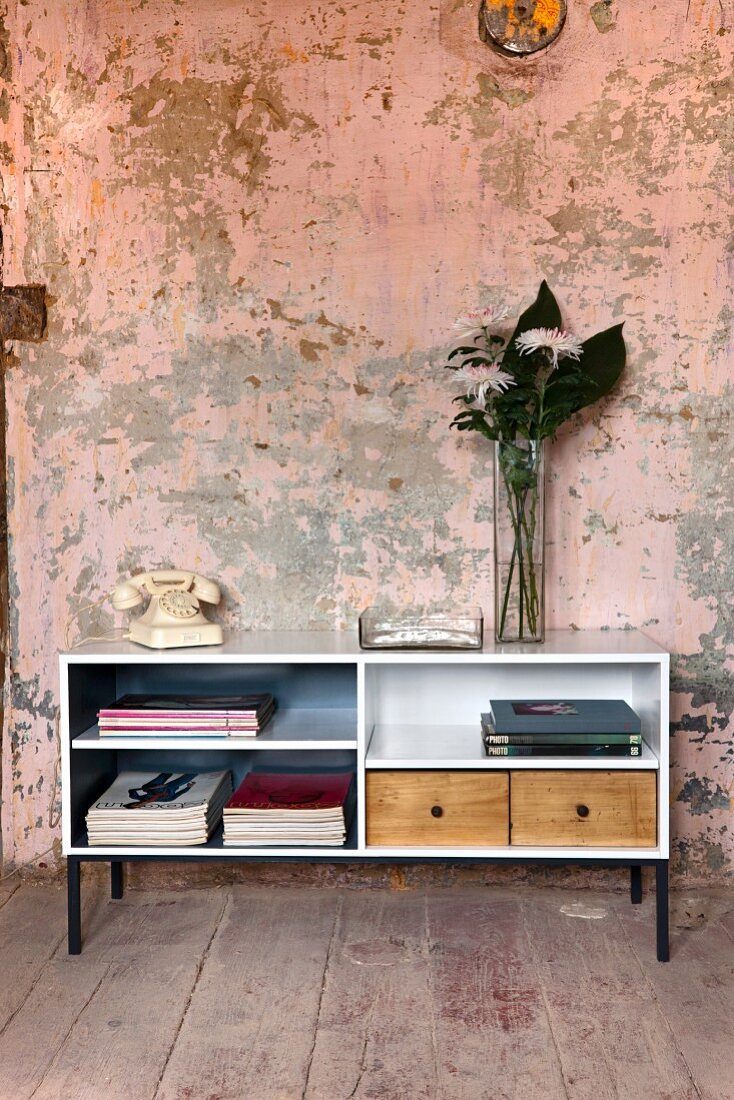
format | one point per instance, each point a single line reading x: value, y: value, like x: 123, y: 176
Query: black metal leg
x: 635, y: 885
x: 116, y: 884
x: 661, y: 908
x: 74, y: 902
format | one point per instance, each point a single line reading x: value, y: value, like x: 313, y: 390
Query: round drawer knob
x: 582, y: 811
x: 437, y: 811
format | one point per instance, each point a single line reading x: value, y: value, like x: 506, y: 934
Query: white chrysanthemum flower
x: 476, y: 319
x: 560, y: 344
x: 481, y: 378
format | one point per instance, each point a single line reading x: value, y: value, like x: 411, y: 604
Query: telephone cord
x: 117, y: 634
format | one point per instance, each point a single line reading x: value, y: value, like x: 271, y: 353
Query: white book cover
x: 165, y: 793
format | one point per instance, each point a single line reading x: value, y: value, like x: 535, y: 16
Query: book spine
x: 176, y: 733
x: 562, y: 750
x: 177, y: 725
x: 570, y: 739
x: 176, y: 716
x: 566, y: 724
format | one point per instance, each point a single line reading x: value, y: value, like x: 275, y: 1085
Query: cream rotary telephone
x: 173, y: 617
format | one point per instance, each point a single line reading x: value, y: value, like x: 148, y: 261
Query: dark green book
x: 563, y: 750
x: 491, y: 737
x: 563, y: 716
x: 571, y: 740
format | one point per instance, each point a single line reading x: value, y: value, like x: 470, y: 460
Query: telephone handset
x: 173, y: 616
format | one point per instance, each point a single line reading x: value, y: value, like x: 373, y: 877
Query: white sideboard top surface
x: 305, y: 645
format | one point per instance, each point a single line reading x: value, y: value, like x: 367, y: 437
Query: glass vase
x: 519, y: 540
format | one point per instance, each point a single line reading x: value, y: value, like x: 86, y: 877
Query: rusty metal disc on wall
x: 521, y: 27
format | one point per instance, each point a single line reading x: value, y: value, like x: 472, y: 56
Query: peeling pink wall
x: 257, y: 222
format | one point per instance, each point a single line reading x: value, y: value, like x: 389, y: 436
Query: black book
x: 249, y: 705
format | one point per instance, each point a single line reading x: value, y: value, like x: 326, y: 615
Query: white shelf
x: 425, y: 746
x: 510, y: 851
x: 213, y: 851
x: 415, y: 853
x: 305, y: 646
x: 296, y: 729
x: 216, y: 849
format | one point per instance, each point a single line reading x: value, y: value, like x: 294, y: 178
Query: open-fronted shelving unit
x: 400, y: 713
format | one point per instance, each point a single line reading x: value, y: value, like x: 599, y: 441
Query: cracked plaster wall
x: 257, y: 222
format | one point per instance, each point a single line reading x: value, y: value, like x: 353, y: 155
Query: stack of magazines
x: 167, y: 808
x: 578, y: 727
x: 186, y: 715
x: 302, y: 810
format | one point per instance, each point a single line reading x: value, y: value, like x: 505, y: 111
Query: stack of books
x: 164, y: 808
x: 297, y: 810
x: 186, y: 715
x: 578, y: 727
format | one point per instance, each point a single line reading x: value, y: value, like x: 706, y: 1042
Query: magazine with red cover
x: 278, y: 791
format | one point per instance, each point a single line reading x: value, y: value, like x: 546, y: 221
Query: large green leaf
x: 574, y: 385
x: 543, y: 313
x: 601, y: 364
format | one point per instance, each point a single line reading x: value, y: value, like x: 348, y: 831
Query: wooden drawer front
x: 437, y: 808
x: 577, y: 808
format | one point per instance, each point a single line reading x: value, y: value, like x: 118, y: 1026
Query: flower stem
x: 515, y: 546
x: 520, y: 481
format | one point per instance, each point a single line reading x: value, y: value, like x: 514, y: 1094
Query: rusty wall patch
x: 603, y: 16
x: 521, y: 27
x: 22, y: 312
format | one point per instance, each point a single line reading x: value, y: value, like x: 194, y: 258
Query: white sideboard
x: 404, y: 714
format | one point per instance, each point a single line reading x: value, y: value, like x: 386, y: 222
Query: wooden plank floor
x: 527, y: 993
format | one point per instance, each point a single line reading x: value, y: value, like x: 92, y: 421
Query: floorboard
x: 611, y: 1036
x: 32, y: 927
x: 51, y: 1009
x: 493, y: 1036
x: 695, y: 990
x: 8, y: 886
x: 146, y: 957
x: 249, y: 1028
x: 375, y: 1030
x: 149, y: 918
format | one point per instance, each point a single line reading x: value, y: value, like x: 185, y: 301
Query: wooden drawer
x: 614, y: 809
x: 437, y: 808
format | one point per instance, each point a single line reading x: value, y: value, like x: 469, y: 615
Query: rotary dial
x: 182, y: 605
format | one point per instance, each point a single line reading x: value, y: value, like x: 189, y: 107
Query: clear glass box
x: 413, y: 628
